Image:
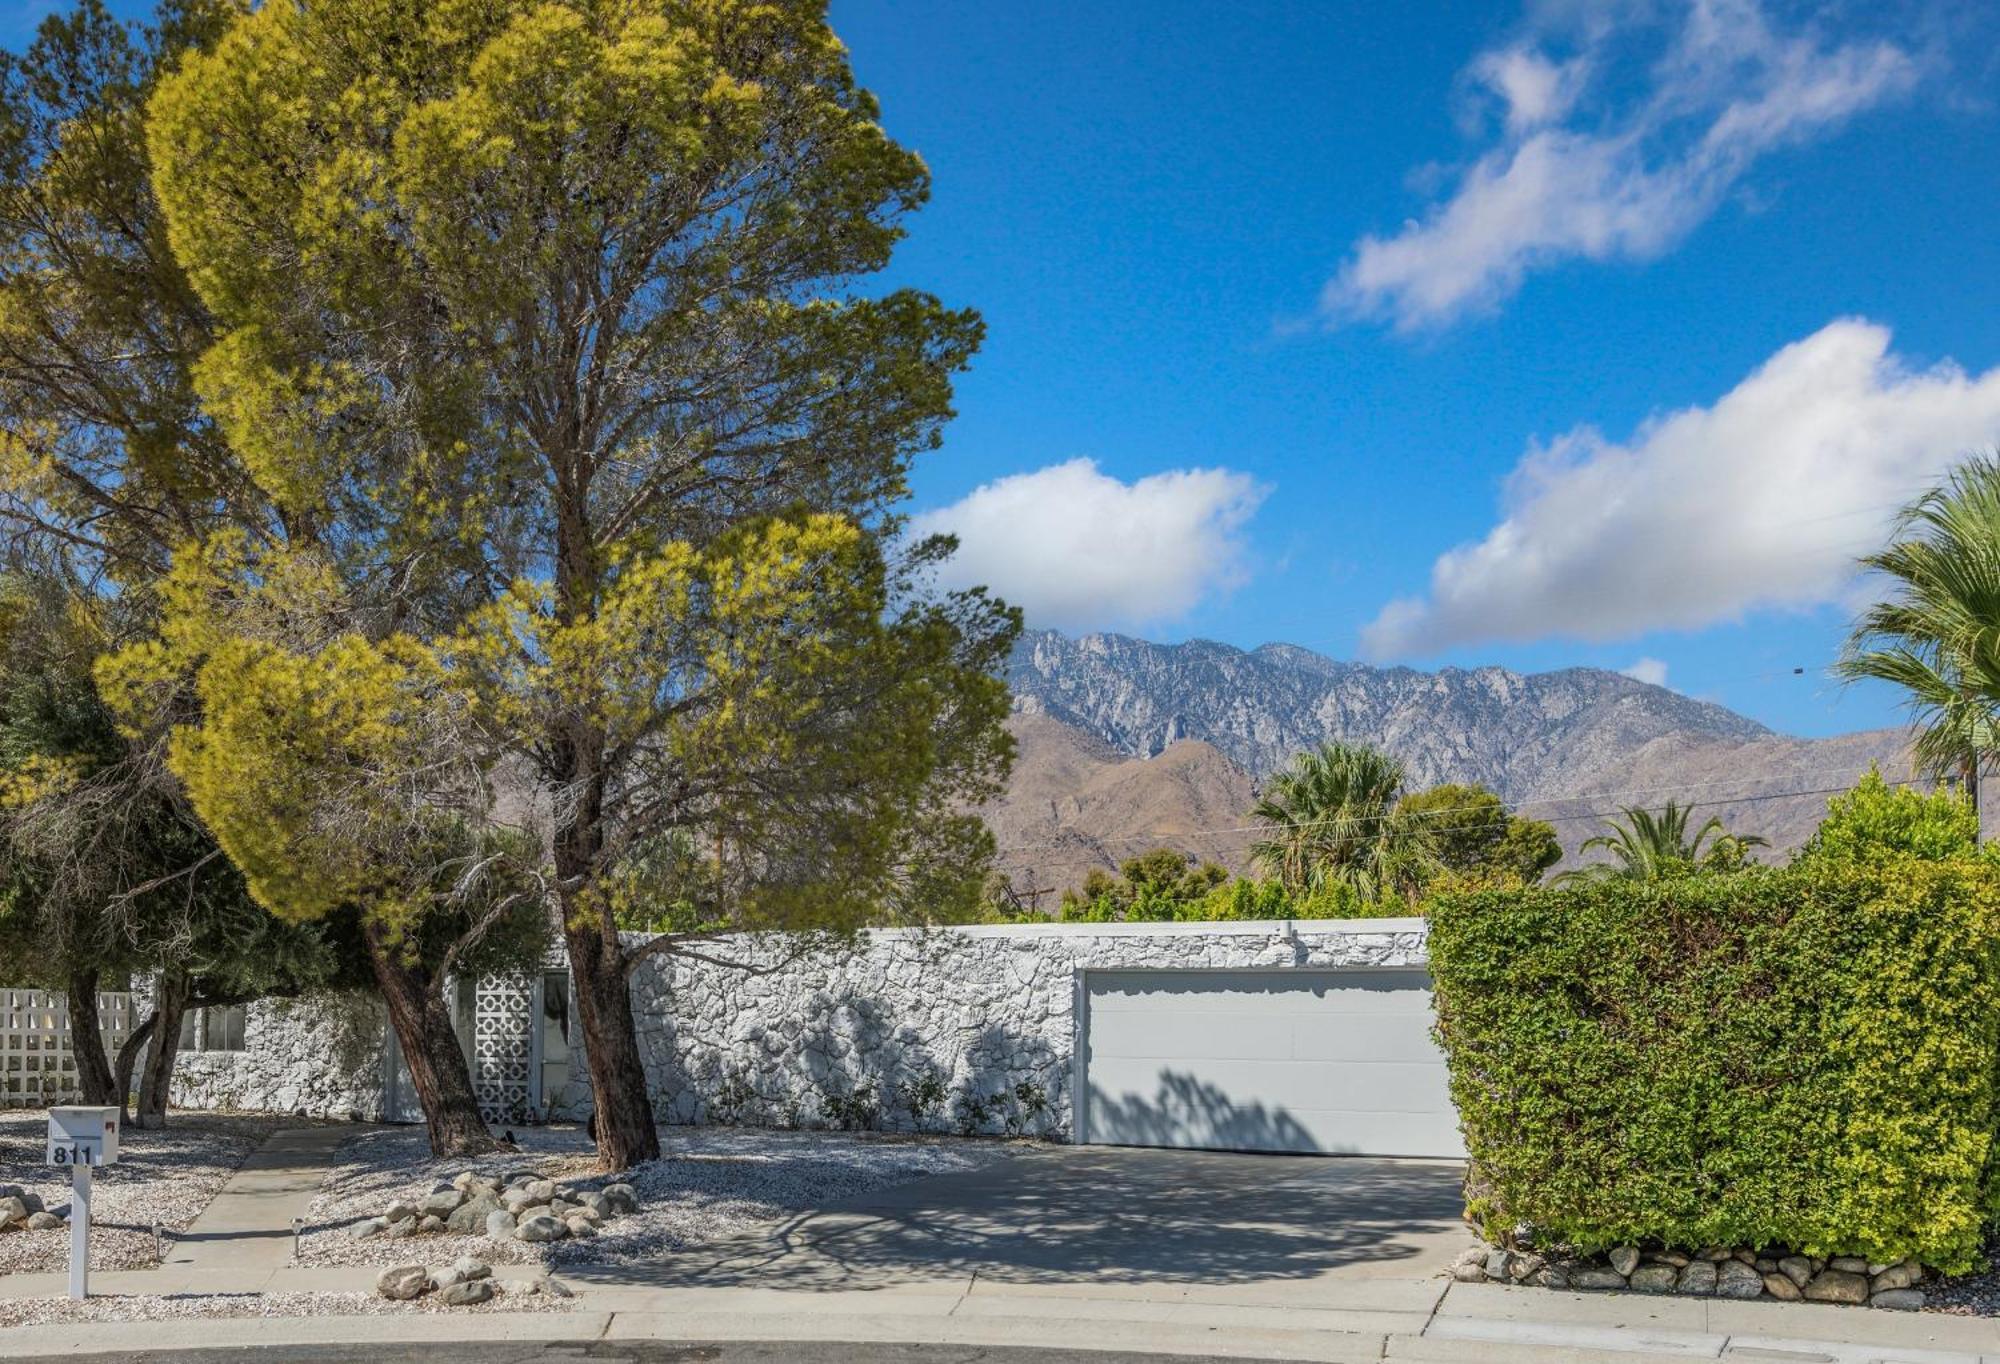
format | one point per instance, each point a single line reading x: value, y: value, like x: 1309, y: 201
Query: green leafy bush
x: 1804, y: 1057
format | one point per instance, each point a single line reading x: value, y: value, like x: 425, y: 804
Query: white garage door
x: 1338, y: 1062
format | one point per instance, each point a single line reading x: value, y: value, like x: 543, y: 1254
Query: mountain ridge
x: 1099, y: 711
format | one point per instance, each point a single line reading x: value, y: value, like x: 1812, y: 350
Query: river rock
x: 622, y: 1197
x: 401, y: 1227
x: 1837, y: 1285
x: 399, y: 1210
x: 469, y: 1293
x: 471, y: 1267
x: 1849, y: 1264
x: 1654, y: 1279
x: 1472, y: 1273
x: 12, y: 1210
x: 431, y: 1225
x: 1797, y: 1268
x: 443, y: 1203
x: 1624, y: 1259
x: 1697, y: 1278
x: 1891, y: 1278
x: 1595, y: 1276
x: 1781, y: 1287
x: 403, y: 1283
x: 367, y: 1227
x: 541, y: 1227
x: 515, y: 1199
x: 1734, y: 1279
x: 1898, y: 1300
x: 45, y: 1221
x: 581, y: 1227
x: 500, y: 1223
x: 470, y: 1218
x: 597, y: 1203
x: 541, y: 1190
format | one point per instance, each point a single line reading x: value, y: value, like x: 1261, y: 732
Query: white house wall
x: 988, y: 1013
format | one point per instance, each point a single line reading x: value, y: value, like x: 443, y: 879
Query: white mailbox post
x: 81, y: 1138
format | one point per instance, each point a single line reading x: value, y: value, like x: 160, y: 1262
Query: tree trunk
x: 418, y: 1013
x: 623, y: 1121
x: 128, y: 1060
x: 86, y: 1041
x: 169, y: 1008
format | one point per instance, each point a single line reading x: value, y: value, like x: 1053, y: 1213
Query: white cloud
x: 1566, y: 179
x: 1651, y: 671
x: 1077, y: 549
x: 1762, y: 500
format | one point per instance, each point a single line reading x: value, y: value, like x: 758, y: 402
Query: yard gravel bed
x: 714, y: 1183
x: 183, y: 1306
x: 165, y: 1176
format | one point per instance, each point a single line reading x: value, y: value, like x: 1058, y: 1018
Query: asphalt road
x: 635, y: 1352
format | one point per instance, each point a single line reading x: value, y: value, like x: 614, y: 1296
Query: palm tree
x: 1645, y: 846
x: 1329, y: 819
x: 1938, y: 635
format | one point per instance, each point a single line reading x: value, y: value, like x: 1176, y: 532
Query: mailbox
x: 83, y: 1137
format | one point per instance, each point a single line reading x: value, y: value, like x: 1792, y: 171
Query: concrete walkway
x: 248, y: 1226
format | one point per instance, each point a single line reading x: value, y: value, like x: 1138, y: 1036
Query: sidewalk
x: 1338, y: 1322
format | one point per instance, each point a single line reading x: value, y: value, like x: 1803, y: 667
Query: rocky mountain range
x: 1127, y: 745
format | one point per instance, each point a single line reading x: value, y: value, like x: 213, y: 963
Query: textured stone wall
x: 965, y: 1029
x: 972, y: 1028
x: 323, y: 1054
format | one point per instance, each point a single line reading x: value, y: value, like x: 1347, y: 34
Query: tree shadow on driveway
x: 1100, y: 1215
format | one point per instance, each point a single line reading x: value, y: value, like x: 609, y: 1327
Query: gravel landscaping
x: 716, y: 1182
x: 166, y: 1176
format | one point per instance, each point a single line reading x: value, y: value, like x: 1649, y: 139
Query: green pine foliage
x: 1801, y: 1057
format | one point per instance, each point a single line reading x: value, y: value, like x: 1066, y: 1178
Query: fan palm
x: 1938, y: 635
x: 1329, y: 819
x: 1649, y: 846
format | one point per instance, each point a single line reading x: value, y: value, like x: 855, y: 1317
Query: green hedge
x: 1804, y: 1057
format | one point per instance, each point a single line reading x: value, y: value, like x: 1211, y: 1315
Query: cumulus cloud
x: 1569, y: 177
x: 1651, y: 671
x: 1077, y: 549
x: 1762, y: 500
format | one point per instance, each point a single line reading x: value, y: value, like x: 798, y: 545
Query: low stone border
x: 1715, y: 1273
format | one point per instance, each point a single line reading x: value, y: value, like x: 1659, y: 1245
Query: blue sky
x: 1452, y: 333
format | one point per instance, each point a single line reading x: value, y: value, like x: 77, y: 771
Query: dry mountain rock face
x: 1127, y: 744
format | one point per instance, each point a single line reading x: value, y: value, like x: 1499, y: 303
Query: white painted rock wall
x: 323, y: 1054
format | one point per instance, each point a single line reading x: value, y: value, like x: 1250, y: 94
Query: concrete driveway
x: 1103, y: 1216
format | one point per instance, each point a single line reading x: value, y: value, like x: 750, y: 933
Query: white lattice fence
x: 37, y: 1066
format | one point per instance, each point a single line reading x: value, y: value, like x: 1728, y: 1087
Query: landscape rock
x: 469, y: 1267
x: 597, y: 1203
x: 1890, y: 1278
x: 500, y: 1223
x: 1697, y: 1278
x: 470, y: 1218
x: 12, y: 1210
x: 1797, y: 1268
x: 1472, y: 1273
x: 403, y: 1283
x: 368, y: 1227
x: 1668, y: 1257
x: 1624, y: 1259
x: 1898, y: 1300
x: 1594, y: 1277
x: 401, y: 1227
x: 45, y: 1221
x: 1838, y: 1285
x: 1521, y: 1268
x: 1734, y: 1279
x: 1654, y: 1279
x: 623, y: 1198
x: 431, y: 1225
x: 1848, y: 1264
x: 1496, y: 1263
x: 30, y: 1200
x: 399, y: 1210
x: 540, y: 1228
x: 541, y: 1190
x: 469, y: 1293
x: 443, y: 1203
x: 1781, y: 1287
x: 581, y: 1227
x: 515, y: 1199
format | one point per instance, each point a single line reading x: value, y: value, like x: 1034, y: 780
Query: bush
x: 1802, y: 1058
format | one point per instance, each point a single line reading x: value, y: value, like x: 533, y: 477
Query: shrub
x: 1876, y: 819
x: 1802, y: 1058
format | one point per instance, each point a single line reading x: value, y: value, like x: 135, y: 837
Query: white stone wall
x: 954, y: 1029
x: 980, y: 1011
x: 323, y: 1054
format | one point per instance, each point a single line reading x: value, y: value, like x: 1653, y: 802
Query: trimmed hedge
x: 1801, y: 1057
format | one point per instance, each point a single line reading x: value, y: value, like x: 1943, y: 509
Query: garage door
x: 1337, y: 1062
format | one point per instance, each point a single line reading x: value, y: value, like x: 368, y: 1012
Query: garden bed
x: 166, y: 1176
x: 715, y: 1183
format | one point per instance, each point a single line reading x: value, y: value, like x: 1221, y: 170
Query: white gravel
x: 167, y: 1176
x: 715, y: 1183
x: 179, y: 1306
